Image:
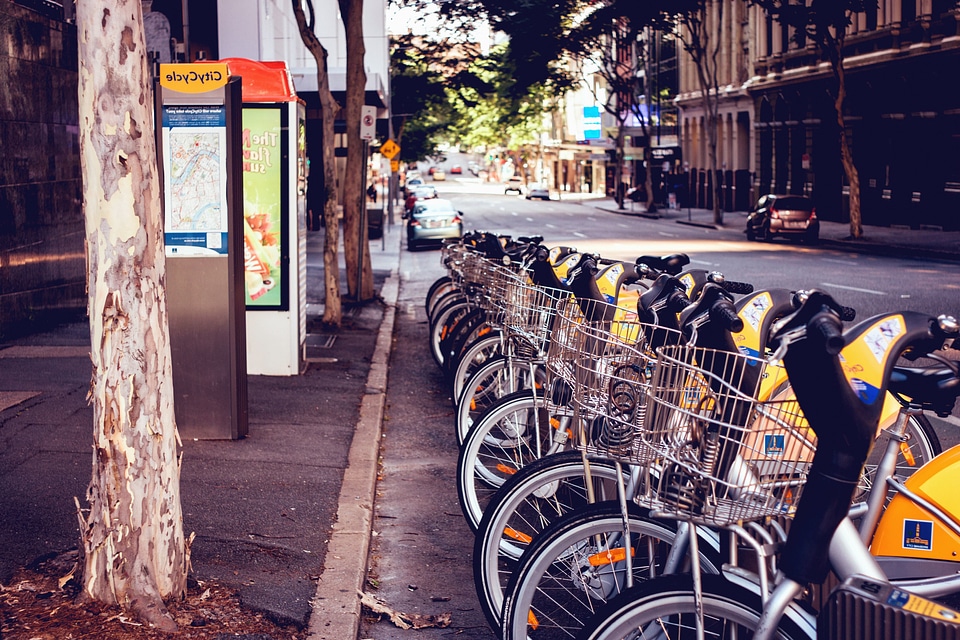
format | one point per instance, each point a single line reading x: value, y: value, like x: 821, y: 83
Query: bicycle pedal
x: 866, y: 609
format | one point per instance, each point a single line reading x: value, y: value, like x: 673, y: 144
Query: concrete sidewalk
x: 282, y: 516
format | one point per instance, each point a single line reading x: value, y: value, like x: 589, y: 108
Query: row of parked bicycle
x: 649, y: 450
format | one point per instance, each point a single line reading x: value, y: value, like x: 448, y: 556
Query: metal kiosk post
x: 198, y: 108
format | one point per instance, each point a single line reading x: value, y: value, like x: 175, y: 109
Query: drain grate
x: 320, y: 341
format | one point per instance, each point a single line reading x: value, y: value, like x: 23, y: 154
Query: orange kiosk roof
x: 263, y: 81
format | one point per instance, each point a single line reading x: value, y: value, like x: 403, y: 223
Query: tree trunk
x: 134, y: 551
x: 355, y: 243
x: 846, y: 154
x: 332, y: 307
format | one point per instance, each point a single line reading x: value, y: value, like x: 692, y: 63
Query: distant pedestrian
x: 372, y: 193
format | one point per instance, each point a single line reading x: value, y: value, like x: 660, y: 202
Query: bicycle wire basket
x: 718, y: 455
x: 528, y: 313
x: 612, y: 375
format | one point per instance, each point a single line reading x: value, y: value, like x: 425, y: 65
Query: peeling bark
x: 132, y: 538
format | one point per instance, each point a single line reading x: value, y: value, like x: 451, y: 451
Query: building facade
x: 778, y: 129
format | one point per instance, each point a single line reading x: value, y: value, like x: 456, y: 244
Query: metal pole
x: 363, y: 223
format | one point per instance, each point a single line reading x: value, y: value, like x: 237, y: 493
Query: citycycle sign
x: 193, y: 78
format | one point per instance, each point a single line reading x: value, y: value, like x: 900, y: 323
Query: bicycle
x: 817, y: 494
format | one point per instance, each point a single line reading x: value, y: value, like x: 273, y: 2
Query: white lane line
x: 840, y: 286
x: 669, y: 235
x: 551, y: 226
x: 579, y: 235
x: 711, y: 264
x: 514, y: 213
x: 620, y: 224
x: 529, y: 219
x: 835, y: 261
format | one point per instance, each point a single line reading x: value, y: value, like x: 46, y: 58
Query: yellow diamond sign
x: 390, y: 149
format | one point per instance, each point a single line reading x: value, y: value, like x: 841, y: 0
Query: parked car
x: 456, y: 170
x: 514, y: 185
x: 439, y: 176
x: 411, y: 184
x: 425, y: 192
x: 789, y: 216
x: 538, y: 191
x: 432, y: 221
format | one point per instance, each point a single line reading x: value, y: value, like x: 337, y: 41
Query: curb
x: 335, y: 608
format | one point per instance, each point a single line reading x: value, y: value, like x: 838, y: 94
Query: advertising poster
x: 263, y: 207
x: 194, y: 156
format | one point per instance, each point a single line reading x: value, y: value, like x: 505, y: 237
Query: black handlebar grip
x: 727, y: 314
x: 827, y: 326
x: 740, y: 288
x: 848, y: 314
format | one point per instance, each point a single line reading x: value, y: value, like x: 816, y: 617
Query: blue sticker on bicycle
x: 898, y: 598
x: 773, y: 444
x: 918, y: 534
x: 864, y: 390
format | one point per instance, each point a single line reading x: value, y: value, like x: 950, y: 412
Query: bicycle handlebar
x: 843, y: 415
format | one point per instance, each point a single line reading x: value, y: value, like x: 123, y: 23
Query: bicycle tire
x: 666, y: 605
x: 474, y: 355
x: 472, y: 327
x: 498, y: 377
x: 529, y: 501
x: 511, y: 433
x: 445, y: 322
x: 440, y: 286
x: 573, y: 568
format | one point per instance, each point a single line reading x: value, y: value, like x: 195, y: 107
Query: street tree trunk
x: 355, y: 244
x: 333, y: 307
x: 846, y: 153
x: 134, y: 551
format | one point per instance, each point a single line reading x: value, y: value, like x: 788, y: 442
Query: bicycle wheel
x: 440, y: 287
x: 578, y: 563
x: 512, y: 433
x: 446, y: 321
x: 473, y: 327
x: 529, y: 501
x: 496, y: 378
x: 473, y: 356
x: 922, y: 445
x: 664, y: 608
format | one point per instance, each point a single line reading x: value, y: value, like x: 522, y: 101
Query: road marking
x: 551, y: 226
x: 840, y: 286
x: 579, y: 235
x: 514, y: 213
x: 703, y: 262
x: 836, y: 261
x: 529, y: 219
x: 669, y: 235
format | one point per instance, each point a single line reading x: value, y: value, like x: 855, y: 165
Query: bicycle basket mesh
x: 528, y: 311
x: 613, y: 370
x: 721, y: 455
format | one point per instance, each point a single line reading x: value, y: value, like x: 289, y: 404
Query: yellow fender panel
x: 906, y: 530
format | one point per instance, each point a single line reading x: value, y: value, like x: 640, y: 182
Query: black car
x: 787, y: 216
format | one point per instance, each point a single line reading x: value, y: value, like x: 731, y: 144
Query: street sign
x: 390, y: 149
x: 368, y: 122
x: 394, y: 166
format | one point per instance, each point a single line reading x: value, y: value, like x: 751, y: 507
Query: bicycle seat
x: 671, y: 264
x: 934, y: 388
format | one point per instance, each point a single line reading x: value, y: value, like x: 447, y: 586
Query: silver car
x: 432, y: 221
